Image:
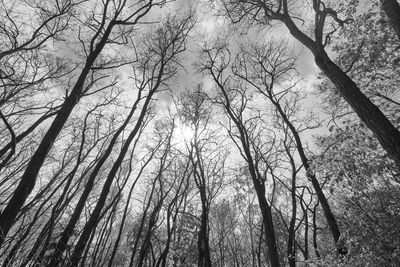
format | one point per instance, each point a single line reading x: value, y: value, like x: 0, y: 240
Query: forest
x: 222, y: 133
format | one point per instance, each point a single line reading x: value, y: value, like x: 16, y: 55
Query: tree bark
x: 392, y: 10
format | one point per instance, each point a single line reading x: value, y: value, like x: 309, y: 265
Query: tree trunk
x: 93, y: 220
x: 146, y: 245
x: 28, y: 179
x: 376, y: 121
x: 268, y: 226
x: 202, y: 243
x: 125, y: 213
x: 315, y: 229
x: 66, y: 234
x: 387, y: 135
x: 291, y: 246
x: 272, y: 248
x: 306, y: 226
x: 392, y: 10
x: 330, y: 217
x: 30, y: 129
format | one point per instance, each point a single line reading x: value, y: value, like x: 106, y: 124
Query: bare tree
x: 165, y: 187
x: 113, y: 14
x: 170, y: 41
x: 159, y: 191
x: 29, y: 69
x: 234, y: 99
x: 180, y: 173
x: 267, y: 67
x: 207, y: 159
x: 149, y: 158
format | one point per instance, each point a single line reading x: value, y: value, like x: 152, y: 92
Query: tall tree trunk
x: 291, y: 246
x: 386, y: 133
x: 141, y: 227
x: 306, y: 226
x: 330, y: 217
x: 93, y: 220
x: 172, y: 214
x: 392, y: 10
x: 66, y: 234
x: 315, y: 229
x: 146, y: 245
x: 266, y: 213
x: 125, y: 213
x: 258, y: 184
x: 203, y: 243
x: 376, y: 121
x: 28, y: 179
